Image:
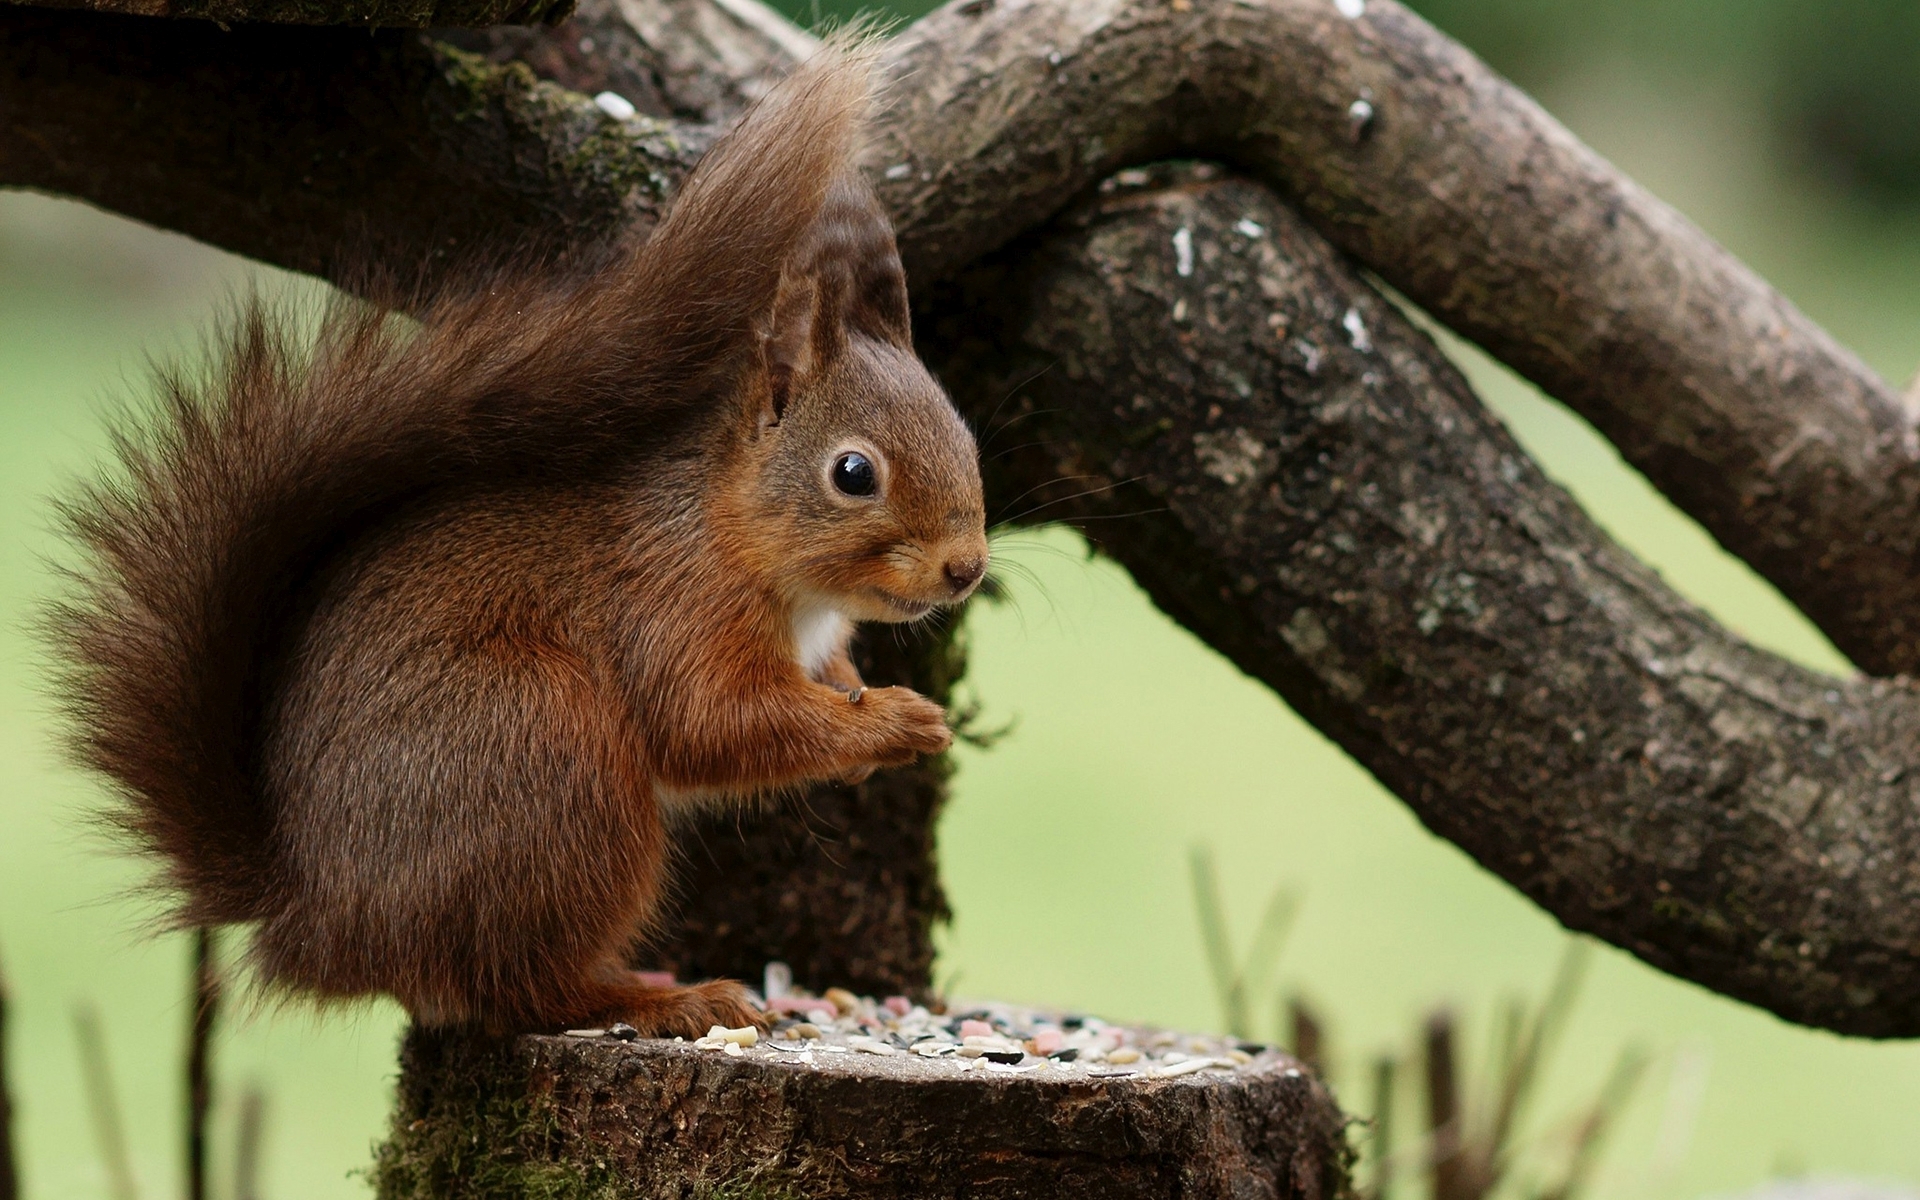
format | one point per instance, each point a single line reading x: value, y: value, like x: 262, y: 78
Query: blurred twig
x: 247, y: 1142
x: 1686, y: 1091
x: 1384, y: 1069
x: 1471, y: 1142
x: 9, y: 1171
x: 206, y: 1009
x: 1470, y: 1160
x: 1210, y: 910
x: 964, y: 719
x: 1308, y: 1039
x: 1593, y: 1127
x: 1450, y: 1163
x: 1510, y: 1032
x: 1531, y: 1051
x: 102, y: 1103
x: 1234, y: 981
x: 1538, y: 1041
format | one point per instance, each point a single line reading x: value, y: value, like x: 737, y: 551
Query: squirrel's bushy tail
x: 289, y: 444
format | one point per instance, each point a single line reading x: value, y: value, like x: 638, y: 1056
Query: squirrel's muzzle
x: 963, y: 573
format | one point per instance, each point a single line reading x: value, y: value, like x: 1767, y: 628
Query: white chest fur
x: 818, y: 635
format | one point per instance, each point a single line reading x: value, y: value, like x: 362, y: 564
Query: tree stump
x: 651, y: 1119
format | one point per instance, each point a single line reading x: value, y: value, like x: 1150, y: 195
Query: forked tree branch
x: 1300, y: 477
x: 1407, y: 152
x: 1336, y: 513
x: 1395, y: 142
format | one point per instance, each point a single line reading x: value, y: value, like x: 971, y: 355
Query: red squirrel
x: 405, y: 643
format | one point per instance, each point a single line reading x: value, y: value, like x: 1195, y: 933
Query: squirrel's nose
x: 964, y: 573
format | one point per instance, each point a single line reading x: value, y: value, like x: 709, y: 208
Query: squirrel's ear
x: 797, y: 344
x: 843, y: 278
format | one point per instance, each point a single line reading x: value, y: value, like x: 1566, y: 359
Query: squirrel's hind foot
x: 687, y: 1011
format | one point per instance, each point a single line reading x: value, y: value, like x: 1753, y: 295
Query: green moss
x: 471, y: 1124
x: 475, y: 83
x: 595, y: 153
x: 501, y: 1149
x: 496, y: 1156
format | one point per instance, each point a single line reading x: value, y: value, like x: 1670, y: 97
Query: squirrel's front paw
x: 915, y: 724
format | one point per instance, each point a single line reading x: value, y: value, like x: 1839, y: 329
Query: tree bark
x: 1407, y: 152
x: 566, y: 1117
x: 322, y: 150
x: 1296, y: 473
x: 1348, y: 526
x: 368, y: 13
x: 694, y: 59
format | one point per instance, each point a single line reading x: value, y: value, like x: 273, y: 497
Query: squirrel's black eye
x: 853, y: 474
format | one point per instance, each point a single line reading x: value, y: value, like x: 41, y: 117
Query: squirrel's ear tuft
x: 705, y: 282
x: 851, y: 244
x: 843, y: 279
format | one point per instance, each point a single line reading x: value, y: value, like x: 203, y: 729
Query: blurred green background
x: 1790, y: 130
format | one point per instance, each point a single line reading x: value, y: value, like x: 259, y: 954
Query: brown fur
x: 406, y: 645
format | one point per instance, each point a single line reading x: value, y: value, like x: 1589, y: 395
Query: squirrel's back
x: 255, y: 474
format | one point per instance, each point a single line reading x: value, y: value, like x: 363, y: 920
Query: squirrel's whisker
x: 1012, y: 450
x: 1013, y: 391
x: 1068, y: 499
x: 1058, y: 479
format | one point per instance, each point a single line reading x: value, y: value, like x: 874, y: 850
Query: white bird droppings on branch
x: 1356, y: 331
x: 614, y: 105
x: 1359, y: 117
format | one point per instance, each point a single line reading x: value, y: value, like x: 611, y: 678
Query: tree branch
x: 323, y: 149
x: 1456, y: 188
x: 695, y: 59
x: 367, y: 13
x: 1300, y: 477
x: 1471, y: 200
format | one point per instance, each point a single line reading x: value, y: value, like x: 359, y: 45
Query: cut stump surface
x: 559, y: 1116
